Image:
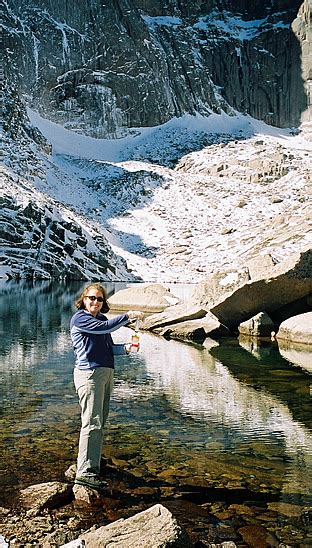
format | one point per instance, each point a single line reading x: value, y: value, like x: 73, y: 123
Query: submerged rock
x: 257, y: 536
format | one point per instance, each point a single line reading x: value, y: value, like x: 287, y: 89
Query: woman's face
x: 93, y: 304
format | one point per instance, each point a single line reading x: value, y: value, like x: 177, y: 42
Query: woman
x: 93, y: 375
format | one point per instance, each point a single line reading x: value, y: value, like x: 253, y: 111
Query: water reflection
x: 262, y: 366
x: 296, y: 354
x: 31, y: 317
x: 243, y: 403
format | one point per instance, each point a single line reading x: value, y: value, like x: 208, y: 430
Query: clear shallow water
x: 228, y: 415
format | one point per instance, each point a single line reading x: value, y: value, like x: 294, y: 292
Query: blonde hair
x: 79, y: 302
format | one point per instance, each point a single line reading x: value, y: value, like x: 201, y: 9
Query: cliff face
x: 302, y: 28
x: 101, y: 68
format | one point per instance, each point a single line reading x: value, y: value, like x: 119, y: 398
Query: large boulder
x: 234, y: 298
x: 148, y: 298
x: 297, y: 329
x: 153, y: 528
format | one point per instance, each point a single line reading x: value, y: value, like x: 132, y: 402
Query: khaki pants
x: 94, y: 388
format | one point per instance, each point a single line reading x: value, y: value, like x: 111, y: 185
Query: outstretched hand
x: 135, y: 314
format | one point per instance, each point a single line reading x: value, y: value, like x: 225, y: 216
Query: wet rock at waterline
x: 197, y: 330
x: 260, y: 325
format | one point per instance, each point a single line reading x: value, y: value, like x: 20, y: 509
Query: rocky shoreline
x: 226, y: 513
x: 262, y: 299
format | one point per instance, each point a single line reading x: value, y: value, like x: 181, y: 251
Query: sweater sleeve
x: 86, y: 323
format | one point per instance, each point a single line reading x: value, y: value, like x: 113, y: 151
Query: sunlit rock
x: 45, y: 495
x: 148, y: 298
x: 259, y: 266
x: 155, y: 528
x: 70, y: 473
x: 174, y: 315
x: 86, y: 494
x: 234, y: 299
x: 297, y: 329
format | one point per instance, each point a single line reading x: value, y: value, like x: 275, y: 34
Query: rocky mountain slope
x: 191, y: 185
x: 40, y: 236
x: 72, y: 217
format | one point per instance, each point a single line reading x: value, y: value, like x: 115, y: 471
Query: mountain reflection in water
x: 250, y: 408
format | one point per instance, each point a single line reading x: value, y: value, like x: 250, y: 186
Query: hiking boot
x: 92, y: 482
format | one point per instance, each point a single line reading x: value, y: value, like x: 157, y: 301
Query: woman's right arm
x: 86, y: 323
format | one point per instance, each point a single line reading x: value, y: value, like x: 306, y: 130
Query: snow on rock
x: 199, y: 209
x: 42, y: 239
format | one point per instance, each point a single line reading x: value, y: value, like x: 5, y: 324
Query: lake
x: 222, y: 422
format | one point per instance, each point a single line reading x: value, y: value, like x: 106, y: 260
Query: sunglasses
x: 93, y: 298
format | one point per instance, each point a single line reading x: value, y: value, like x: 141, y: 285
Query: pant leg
x: 94, y: 390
